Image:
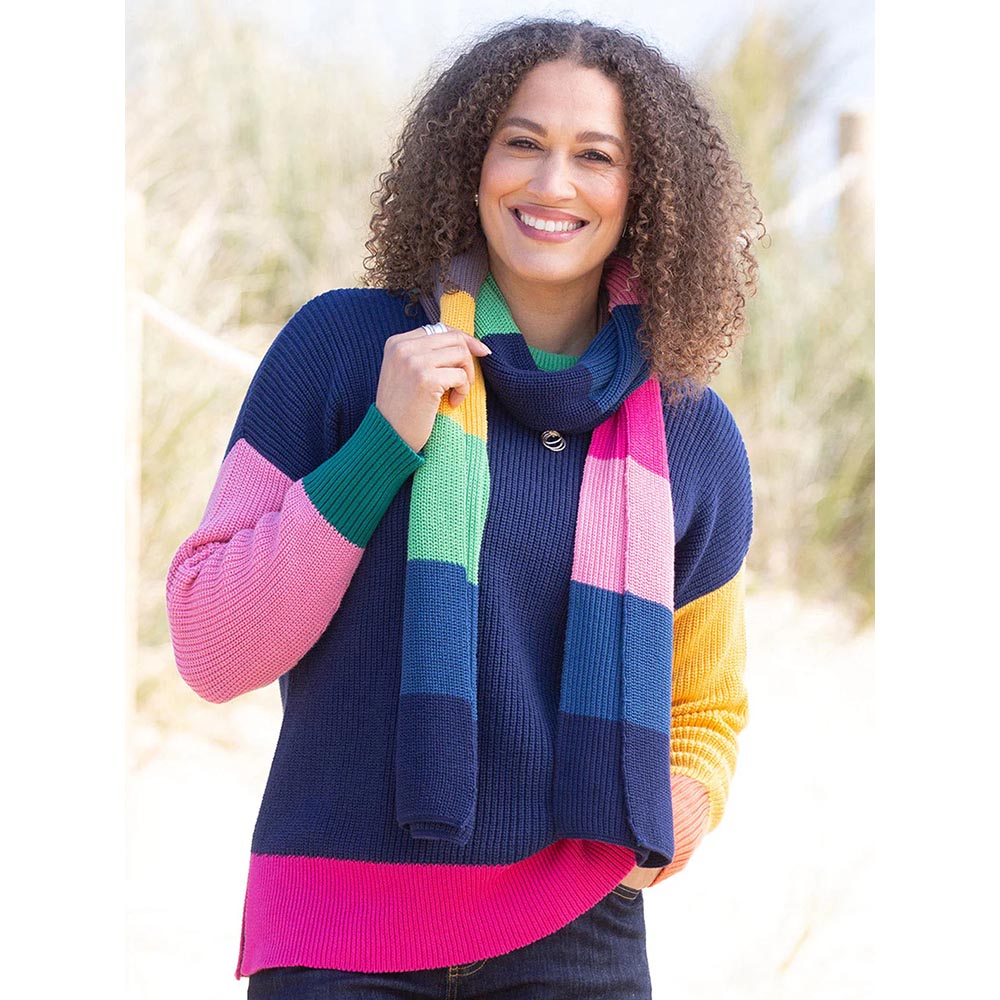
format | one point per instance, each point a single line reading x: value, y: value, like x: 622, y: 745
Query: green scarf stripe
x: 549, y: 361
x: 493, y: 317
x: 492, y: 312
x: 455, y: 463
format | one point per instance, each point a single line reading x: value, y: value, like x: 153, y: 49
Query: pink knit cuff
x: 691, y: 813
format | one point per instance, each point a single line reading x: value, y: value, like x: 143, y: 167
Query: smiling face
x: 553, y: 191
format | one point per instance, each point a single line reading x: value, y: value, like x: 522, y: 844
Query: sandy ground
x: 776, y: 903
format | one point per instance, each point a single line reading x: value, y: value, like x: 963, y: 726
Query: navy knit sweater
x: 296, y: 574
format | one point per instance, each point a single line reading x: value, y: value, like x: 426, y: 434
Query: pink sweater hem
x: 365, y: 916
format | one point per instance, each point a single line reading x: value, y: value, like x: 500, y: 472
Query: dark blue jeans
x: 601, y: 955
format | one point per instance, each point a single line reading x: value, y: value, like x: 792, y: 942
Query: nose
x: 552, y: 179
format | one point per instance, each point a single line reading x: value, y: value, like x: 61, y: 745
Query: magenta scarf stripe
x: 641, y: 445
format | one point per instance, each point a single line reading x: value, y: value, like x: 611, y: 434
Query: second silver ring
x: 435, y: 328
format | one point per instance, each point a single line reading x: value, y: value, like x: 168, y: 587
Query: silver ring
x: 436, y: 328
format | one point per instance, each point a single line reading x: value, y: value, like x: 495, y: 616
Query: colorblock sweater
x: 295, y: 574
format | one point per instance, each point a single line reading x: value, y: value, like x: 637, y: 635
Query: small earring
x: 477, y: 199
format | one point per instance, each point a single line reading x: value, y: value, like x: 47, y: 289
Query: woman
x: 486, y: 526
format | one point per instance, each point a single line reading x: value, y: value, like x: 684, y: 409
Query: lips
x: 548, y: 220
x: 554, y: 231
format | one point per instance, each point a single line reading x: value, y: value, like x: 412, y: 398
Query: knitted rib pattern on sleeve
x: 295, y: 573
x: 714, y: 523
x: 250, y: 592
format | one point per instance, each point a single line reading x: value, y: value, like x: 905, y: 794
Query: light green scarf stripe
x: 493, y: 317
x: 443, y: 500
x: 455, y: 489
x: 492, y: 312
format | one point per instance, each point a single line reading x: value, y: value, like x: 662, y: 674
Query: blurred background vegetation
x: 254, y: 165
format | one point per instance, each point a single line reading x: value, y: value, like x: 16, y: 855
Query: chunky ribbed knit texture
x: 295, y: 574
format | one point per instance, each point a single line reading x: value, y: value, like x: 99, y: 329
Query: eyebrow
x: 581, y: 137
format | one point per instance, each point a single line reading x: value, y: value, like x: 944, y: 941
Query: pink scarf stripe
x: 649, y: 563
x: 623, y: 289
x: 601, y: 536
x: 626, y: 481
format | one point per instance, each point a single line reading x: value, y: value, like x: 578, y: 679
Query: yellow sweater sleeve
x: 709, y: 700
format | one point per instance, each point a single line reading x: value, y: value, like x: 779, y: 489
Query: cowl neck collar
x: 572, y: 400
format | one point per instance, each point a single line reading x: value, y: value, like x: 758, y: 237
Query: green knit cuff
x: 353, y: 488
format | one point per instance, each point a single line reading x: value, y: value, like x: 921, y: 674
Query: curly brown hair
x: 692, y: 216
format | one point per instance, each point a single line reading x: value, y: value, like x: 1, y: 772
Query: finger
x: 449, y: 356
x: 462, y: 357
x: 459, y: 394
x: 454, y: 381
x: 451, y: 336
x: 470, y: 367
x: 468, y: 338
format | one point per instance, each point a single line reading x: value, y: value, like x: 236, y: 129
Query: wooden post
x: 856, y: 208
x: 134, y: 252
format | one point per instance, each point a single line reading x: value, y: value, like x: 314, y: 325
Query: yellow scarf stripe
x: 458, y: 309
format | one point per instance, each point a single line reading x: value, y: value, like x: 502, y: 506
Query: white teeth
x: 547, y: 225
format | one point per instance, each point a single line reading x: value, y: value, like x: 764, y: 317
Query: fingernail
x: 488, y: 351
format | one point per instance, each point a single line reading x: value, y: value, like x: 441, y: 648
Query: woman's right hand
x: 417, y: 370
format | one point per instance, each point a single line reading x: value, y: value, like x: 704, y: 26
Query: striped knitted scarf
x: 611, y: 765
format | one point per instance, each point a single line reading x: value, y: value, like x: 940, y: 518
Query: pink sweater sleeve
x: 691, y: 811
x: 258, y: 582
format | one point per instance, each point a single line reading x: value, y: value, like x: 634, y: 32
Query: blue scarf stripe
x: 647, y: 652
x: 435, y: 650
x: 596, y: 690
